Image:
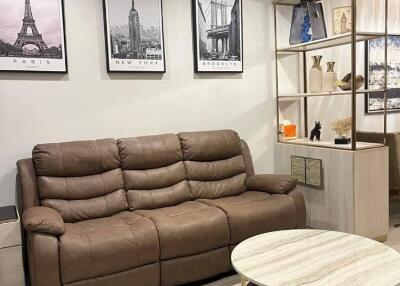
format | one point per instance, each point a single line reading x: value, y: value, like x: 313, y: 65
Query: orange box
x: 289, y: 131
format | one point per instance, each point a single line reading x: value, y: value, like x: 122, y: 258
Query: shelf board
x: 296, y: 96
x: 330, y: 42
x: 332, y: 145
x: 288, y: 2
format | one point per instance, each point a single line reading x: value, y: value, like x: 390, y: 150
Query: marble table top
x: 316, y: 257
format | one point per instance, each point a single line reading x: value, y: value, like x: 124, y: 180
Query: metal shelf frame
x: 352, y: 39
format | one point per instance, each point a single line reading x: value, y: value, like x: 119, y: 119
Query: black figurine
x: 316, y: 132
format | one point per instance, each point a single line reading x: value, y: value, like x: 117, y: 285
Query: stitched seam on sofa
x: 35, y: 266
x: 82, y: 235
x: 98, y: 158
x: 142, y: 170
x: 62, y: 159
x: 106, y: 204
x: 69, y: 210
x: 295, y: 207
x: 186, y: 171
x: 212, y: 163
x: 159, y: 243
x: 126, y: 175
x: 164, y: 188
x: 132, y: 236
x: 240, y: 202
x: 74, y: 200
x: 218, y: 181
x: 90, y: 254
x: 226, y: 216
x: 106, y: 275
x: 198, y: 253
x: 80, y: 177
x: 185, y: 212
x: 59, y: 260
x: 103, y: 183
x: 154, y: 192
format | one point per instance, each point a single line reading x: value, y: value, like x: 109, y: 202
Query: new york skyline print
x: 134, y: 32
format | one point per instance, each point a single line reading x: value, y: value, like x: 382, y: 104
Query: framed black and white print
x: 32, y: 36
x: 218, y: 35
x: 375, y: 71
x: 134, y: 36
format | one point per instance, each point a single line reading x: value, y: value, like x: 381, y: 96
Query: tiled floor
x: 393, y: 241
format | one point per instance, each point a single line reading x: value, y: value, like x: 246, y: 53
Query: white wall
x: 88, y: 103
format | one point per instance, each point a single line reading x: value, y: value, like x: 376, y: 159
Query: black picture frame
x: 197, y: 62
x: 107, y: 37
x: 392, y: 92
x: 64, y: 59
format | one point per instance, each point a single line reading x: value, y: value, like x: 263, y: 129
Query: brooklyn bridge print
x: 134, y: 33
x: 32, y: 36
x: 218, y: 35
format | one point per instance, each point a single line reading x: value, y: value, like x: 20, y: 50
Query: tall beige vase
x: 330, y: 77
x: 316, y: 76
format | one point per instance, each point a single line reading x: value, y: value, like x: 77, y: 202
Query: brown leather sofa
x: 155, y: 210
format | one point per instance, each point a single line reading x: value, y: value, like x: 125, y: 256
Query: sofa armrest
x: 43, y: 220
x: 274, y: 184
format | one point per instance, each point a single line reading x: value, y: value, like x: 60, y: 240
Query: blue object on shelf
x: 308, y: 23
x: 306, y: 31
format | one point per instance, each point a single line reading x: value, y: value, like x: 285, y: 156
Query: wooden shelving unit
x: 334, y: 41
x: 353, y: 195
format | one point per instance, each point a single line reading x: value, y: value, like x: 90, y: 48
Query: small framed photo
x: 342, y: 20
x: 217, y: 36
x: 134, y: 36
x: 32, y: 36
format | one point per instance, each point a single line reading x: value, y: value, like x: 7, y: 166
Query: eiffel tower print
x: 29, y: 34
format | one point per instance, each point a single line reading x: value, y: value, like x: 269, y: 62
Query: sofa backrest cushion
x: 81, y: 180
x: 214, y: 163
x: 154, y: 172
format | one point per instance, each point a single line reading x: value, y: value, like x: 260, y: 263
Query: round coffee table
x: 315, y: 257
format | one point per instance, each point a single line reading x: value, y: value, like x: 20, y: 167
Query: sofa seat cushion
x: 253, y: 213
x: 189, y: 228
x: 104, y: 246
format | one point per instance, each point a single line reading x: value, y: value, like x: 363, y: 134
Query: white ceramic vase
x: 316, y: 76
x: 330, y: 77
